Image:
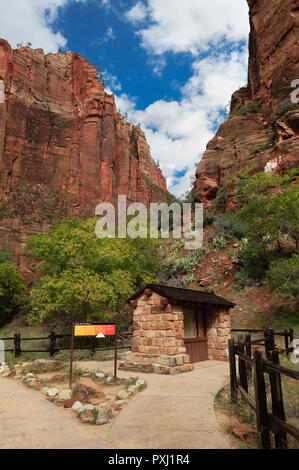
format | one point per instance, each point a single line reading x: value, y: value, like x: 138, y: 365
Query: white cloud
x: 214, y: 32
x: 111, y: 82
x: 189, y: 25
x: 30, y: 21
x: 137, y: 13
x: 178, y: 131
x: 108, y: 36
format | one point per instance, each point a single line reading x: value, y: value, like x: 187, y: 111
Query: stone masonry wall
x: 218, y: 332
x: 158, y: 338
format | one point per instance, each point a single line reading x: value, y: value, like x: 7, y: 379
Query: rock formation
x: 63, y: 146
x: 263, y: 125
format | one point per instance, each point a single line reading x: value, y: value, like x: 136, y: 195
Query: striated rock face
x: 263, y: 127
x: 63, y: 146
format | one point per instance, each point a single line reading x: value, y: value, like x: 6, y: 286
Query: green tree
x: 85, y: 277
x: 283, y: 276
x: 271, y: 217
x: 11, y: 290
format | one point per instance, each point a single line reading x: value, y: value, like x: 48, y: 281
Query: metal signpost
x: 96, y: 330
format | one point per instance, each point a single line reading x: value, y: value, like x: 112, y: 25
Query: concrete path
x: 173, y: 412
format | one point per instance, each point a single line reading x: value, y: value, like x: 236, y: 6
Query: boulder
x: 52, y: 392
x: 78, y: 406
x: 122, y: 395
x: 69, y: 403
x: 35, y: 383
x: 58, y: 378
x: 132, y: 389
x: 87, y: 417
x: 104, y: 414
x: 100, y: 375
x: 140, y: 383
x: 89, y: 391
x: 65, y: 395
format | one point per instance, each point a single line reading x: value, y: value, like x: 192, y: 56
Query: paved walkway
x: 173, y: 412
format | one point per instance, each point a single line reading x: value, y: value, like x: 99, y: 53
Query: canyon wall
x: 63, y: 146
x: 262, y: 129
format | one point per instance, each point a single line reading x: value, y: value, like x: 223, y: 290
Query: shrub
x: 187, y: 279
x: 242, y: 279
x: 11, y: 290
x: 228, y: 226
x: 221, y: 198
x: 4, y: 256
x: 219, y: 242
x: 208, y: 217
x: 283, y: 276
x: 260, y: 148
x: 185, y: 265
x: 251, y: 108
x: 283, y: 108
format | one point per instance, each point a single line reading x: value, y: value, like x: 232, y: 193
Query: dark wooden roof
x: 185, y: 295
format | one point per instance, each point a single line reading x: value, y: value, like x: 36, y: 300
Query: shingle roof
x: 184, y: 295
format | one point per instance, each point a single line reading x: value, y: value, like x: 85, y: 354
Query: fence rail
x: 53, y: 347
x: 256, y: 365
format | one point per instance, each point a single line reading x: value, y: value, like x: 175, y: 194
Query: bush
x: 187, y: 279
x: 185, y: 265
x: 242, y: 279
x: 251, y: 108
x: 260, y: 148
x: 11, y: 290
x: 228, y: 226
x: 219, y: 242
x: 208, y: 217
x: 284, y: 108
x: 221, y: 198
x: 4, y: 256
x: 255, y: 259
x: 283, y: 276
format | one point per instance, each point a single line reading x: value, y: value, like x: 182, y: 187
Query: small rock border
x: 87, y: 413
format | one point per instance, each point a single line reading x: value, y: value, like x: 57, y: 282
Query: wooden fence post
x: 261, y: 400
x: 242, y: 367
x: 277, y: 402
x: 15, y: 344
x: 286, y: 341
x: 248, y: 352
x: 19, y: 343
x: 52, y: 343
x: 266, y: 336
x: 232, y: 369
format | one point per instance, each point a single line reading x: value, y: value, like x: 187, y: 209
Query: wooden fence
x: 17, y: 349
x: 256, y: 365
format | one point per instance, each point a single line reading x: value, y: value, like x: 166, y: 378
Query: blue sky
x: 172, y: 64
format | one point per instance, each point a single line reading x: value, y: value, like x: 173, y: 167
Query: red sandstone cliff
x: 265, y: 135
x: 63, y: 146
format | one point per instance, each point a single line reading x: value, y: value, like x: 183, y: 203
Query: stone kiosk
x: 175, y: 327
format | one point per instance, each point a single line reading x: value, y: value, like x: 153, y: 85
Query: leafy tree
x: 271, y: 217
x: 86, y: 277
x: 11, y: 290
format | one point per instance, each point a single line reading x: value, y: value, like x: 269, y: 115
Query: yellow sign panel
x: 87, y: 329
